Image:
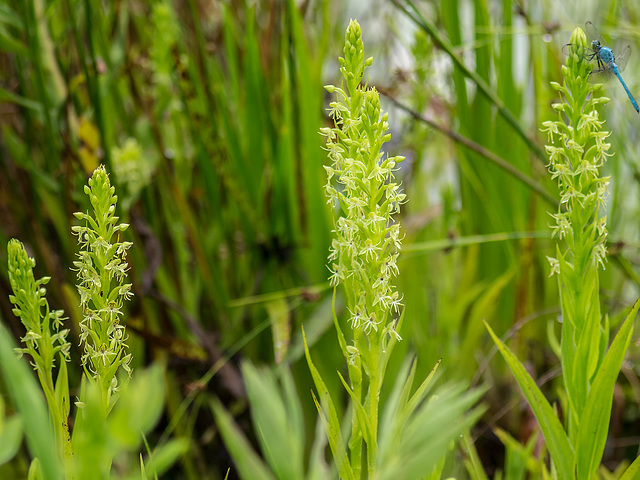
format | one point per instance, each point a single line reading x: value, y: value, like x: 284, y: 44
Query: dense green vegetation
x: 214, y: 127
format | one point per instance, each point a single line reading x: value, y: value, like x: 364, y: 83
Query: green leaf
x: 473, y: 463
x: 594, y: 423
x: 361, y: 414
x: 248, y: 463
x: 422, y: 390
x: 399, y: 407
x: 559, y: 447
x: 27, y: 398
x: 139, y: 406
x: 165, y: 456
x: 10, y: 97
x: 280, y: 316
x: 429, y: 433
x: 633, y: 471
x: 61, y: 389
x: 396, y: 403
x: 10, y: 438
x: 281, y: 436
x: 92, y: 450
x: 518, y: 456
x: 8, y: 43
x: 318, y: 467
x: 10, y: 17
x: 35, y: 470
x: 329, y: 416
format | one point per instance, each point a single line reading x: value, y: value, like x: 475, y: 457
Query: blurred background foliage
x: 206, y: 114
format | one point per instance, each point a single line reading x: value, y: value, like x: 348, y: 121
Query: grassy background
x: 206, y: 114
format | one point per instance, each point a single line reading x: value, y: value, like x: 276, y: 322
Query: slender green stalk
x: 480, y: 150
x: 367, y: 240
x: 578, y: 149
x: 412, y: 12
x: 44, y: 340
x: 94, y: 85
x: 102, y: 270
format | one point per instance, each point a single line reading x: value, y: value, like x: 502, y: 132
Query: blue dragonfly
x: 608, y: 64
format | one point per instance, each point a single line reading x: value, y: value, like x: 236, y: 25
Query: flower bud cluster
x: 43, y: 339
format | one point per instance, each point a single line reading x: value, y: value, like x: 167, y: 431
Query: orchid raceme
x: 363, y: 255
x: 577, y: 152
x: 102, y: 271
x: 361, y: 188
x: 44, y: 339
x: 360, y: 183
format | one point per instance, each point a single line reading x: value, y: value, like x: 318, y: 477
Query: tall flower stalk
x: 45, y: 340
x: 102, y: 272
x: 577, y: 150
x: 363, y: 255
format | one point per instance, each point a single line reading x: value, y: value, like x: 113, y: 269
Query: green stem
x: 412, y: 12
x: 31, y: 28
x: 94, y: 87
x: 375, y: 385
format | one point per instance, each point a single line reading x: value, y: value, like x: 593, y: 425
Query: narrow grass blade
x: 559, y: 447
x: 329, y: 416
x: 249, y: 464
x: 162, y: 458
x: 429, y: 433
x: 421, y: 392
x: 473, y: 463
x: 363, y: 418
x: 412, y: 12
x: 280, y: 327
x: 594, y: 423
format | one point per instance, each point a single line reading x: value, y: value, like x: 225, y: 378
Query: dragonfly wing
x: 583, y: 52
x: 623, y: 57
x: 594, y: 34
x: 600, y: 75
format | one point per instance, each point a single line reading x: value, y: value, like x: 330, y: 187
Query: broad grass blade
x: 559, y: 447
x: 277, y: 421
x: 594, y: 422
x: 27, y: 399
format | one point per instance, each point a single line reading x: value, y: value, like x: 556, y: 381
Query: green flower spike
x: 29, y: 300
x: 577, y: 151
x: 102, y: 270
x: 44, y: 338
x: 360, y: 183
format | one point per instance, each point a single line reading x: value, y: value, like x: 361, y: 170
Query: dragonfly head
x: 595, y: 45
